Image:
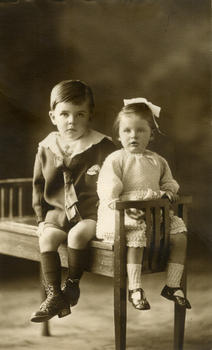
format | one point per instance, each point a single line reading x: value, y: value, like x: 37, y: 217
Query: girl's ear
x: 52, y: 117
x: 153, y: 132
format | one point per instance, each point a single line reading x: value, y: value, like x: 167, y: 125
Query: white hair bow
x: 155, y: 109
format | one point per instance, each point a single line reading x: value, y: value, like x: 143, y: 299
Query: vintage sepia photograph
x: 105, y: 175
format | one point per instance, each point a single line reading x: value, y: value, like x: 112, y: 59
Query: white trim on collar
x: 91, y: 138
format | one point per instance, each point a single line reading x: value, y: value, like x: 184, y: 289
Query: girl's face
x: 135, y: 133
x: 72, y: 121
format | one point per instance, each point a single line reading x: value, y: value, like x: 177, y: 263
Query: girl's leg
x: 55, y: 304
x: 134, y: 266
x: 176, y: 262
x: 78, y: 239
x: 172, y: 290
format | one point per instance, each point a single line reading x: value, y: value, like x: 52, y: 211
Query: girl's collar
x: 148, y: 154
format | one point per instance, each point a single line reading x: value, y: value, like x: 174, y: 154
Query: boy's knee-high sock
x: 77, y: 261
x: 51, y: 267
x: 174, y: 275
x: 134, y: 276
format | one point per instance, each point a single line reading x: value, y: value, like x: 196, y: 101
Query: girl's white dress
x: 126, y: 176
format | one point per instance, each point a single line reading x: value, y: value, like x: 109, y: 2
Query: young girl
x: 137, y: 173
x: 64, y: 193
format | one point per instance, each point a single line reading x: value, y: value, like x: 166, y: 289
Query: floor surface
x: 90, y: 326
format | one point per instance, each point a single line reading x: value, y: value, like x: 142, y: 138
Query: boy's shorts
x: 64, y: 229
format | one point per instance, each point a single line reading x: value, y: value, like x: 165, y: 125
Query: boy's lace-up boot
x: 77, y: 260
x: 71, y: 291
x: 55, y: 304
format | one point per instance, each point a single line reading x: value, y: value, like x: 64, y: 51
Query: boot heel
x: 64, y: 312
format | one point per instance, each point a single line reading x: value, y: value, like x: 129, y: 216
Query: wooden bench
x: 18, y: 238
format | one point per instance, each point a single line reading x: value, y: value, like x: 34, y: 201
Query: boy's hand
x: 172, y: 196
x: 40, y: 228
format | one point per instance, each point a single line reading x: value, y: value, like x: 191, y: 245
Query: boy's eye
x: 64, y: 114
x: 80, y: 115
x: 126, y: 130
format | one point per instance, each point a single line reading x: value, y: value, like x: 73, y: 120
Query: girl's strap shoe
x: 140, y: 303
x: 170, y: 294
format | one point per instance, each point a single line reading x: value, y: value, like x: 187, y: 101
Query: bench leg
x: 45, y: 325
x: 179, y: 319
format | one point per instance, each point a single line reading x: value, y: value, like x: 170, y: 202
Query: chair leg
x: 179, y: 319
x: 120, y: 307
x: 120, y: 317
x: 45, y: 325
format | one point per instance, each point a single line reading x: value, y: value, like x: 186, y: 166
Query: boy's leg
x: 134, y: 266
x: 172, y: 290
x: 78, y: 239
x: 55, y: 304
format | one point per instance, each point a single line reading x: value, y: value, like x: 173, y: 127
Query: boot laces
x: 66, y: 284
x: 49, y: 296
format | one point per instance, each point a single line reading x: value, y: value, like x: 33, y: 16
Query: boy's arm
x: 38, y: 202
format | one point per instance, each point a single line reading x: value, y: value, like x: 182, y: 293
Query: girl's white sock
x: 134, y: 275
x: 174, y: 275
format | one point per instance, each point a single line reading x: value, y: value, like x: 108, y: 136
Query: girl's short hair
x: 140, y: 110
x: 74, y: 91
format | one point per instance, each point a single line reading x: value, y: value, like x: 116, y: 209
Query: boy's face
x: 72, y: 121
x: 135, y: 133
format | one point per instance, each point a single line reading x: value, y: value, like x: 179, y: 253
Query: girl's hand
x: 135, y: 214
x: 40, y: 228
x: 172, y: 196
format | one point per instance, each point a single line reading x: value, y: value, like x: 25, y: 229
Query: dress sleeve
x: 109, y: 186
x: 166, y: 181
x: 38, y: 202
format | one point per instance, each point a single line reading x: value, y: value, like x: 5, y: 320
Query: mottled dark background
x: 157, y: 49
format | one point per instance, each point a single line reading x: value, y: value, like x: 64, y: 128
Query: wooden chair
x: 18, y: 238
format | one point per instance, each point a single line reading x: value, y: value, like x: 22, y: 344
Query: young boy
x: 65, y: 194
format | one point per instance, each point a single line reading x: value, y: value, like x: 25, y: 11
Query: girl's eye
x: 126, y: 130
x: 140, y: 130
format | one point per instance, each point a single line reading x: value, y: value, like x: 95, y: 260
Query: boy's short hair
x: 139, y: 109
x: 74, y: 91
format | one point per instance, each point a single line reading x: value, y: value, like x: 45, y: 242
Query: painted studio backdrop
x: 122, y: 49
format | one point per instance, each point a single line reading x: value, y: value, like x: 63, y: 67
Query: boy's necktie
x: 70, y: 197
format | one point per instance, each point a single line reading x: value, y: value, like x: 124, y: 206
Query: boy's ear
x: 91, y: 117
x: 52, y: 117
